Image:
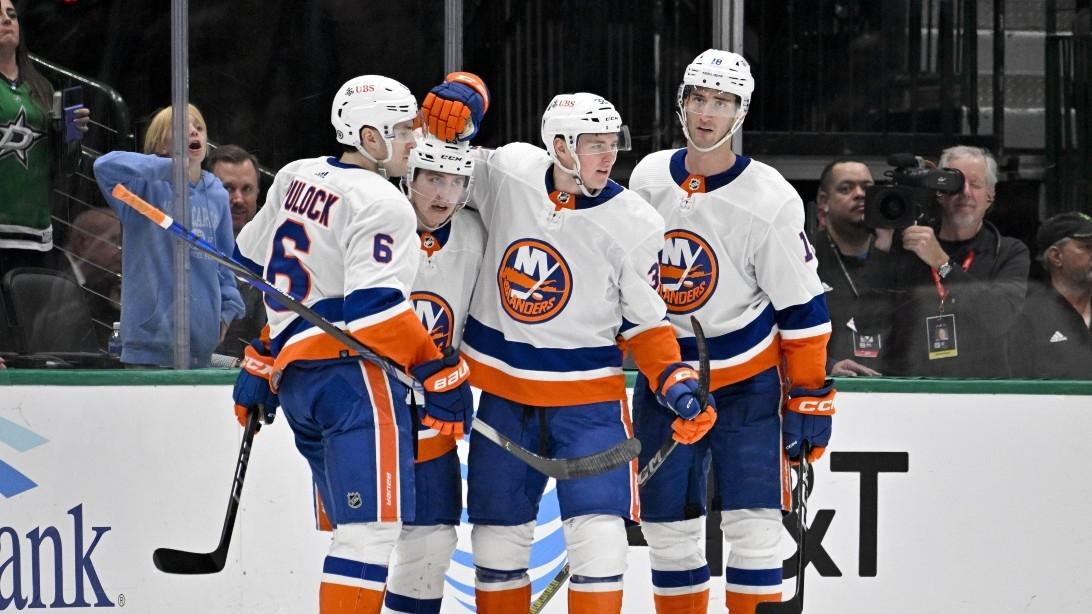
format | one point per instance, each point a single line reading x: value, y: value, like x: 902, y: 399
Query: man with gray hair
x: 957, y: 289
x: 1053, y: 339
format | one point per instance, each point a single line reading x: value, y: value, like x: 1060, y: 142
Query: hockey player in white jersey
x: 569, y: 276
x: 452, y: 240
x: 736, y: 257
x: 337, y: 236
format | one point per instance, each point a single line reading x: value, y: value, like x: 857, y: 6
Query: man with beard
x: 956, y: 290
x: 1052, y: 339
x: 849, y: 254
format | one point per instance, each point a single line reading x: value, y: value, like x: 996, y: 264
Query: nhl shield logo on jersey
x: 435, y: 315
x: 688, y: 271
x: 534, y: 281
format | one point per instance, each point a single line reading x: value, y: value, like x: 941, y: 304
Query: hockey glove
x: 677, y: 390
x: 808, y: 418
x: 252, y: 386
x: 449, y: 404
x: 454, y: 109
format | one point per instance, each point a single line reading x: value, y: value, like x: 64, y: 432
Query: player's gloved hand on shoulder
x: 454, y: 109
x: 808, y: 418
x: 252, y: 389
x: 677, y: 390
x: 449, y: 404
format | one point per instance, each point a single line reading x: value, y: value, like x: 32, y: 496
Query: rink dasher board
x: 989, y: 514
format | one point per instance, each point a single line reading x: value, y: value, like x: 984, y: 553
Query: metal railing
x: 1068, y: 126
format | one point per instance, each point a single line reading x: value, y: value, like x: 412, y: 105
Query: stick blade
x: 169, y: 560
x: 792, y: 606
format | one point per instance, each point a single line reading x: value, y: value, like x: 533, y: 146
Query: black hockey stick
x: 558, y: 468
x: 169, y: 560
x: 654, y: 463
x: 796, y: 604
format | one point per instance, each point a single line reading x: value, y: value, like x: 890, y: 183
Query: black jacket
x: 1051, y: 339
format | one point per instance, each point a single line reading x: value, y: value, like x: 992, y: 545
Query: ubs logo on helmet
x: 534, y: 281
x: 435, y: 315
x: 688, y: 271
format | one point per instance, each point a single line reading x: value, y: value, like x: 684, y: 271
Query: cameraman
x: 956, y: 292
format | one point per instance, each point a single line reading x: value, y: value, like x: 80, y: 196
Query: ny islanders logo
x: 534, y: 281
x: 688, y: 271
x: 436, y: 316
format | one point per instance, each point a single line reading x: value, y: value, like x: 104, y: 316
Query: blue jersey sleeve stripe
x: 733, y: 343
x: 370, y: 301
x: 807, y: 315
x: 528, y: 357
x: 254, y: 267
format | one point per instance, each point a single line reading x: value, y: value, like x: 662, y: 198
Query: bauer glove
x: 252, y: 388
x: 677, y: 390
x: 454, y: 109
x: 808, y: 418
x: 449, y: 404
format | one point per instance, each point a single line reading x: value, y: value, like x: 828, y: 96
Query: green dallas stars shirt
x: 24, y: 171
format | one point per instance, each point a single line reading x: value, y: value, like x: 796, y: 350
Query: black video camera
x: 910, y: 193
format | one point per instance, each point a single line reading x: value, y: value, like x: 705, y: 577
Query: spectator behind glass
x: 147, y: 290
x: 1052, y: 339
x: 958, y: 291
x: 92, y: 256
x: 26, y: 233
x: 237, y: 169
x: 850, y: 256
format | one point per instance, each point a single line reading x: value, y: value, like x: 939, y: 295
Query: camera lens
x: 893, y: 206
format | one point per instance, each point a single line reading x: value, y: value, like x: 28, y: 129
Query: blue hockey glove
x: 455, y: 108
x: 677, y: 390
x: 808, y: 417
x: 252, y: 388
x: 449, y: 404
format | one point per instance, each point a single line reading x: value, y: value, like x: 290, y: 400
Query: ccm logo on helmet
x: 454, y: 378
x: 820, y: 407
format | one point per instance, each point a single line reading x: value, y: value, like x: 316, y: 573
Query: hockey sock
x: 588, y: 595
x: 501, y: 592
x: 681, y: 592
x: 351, y: 587
x: 746, y: 588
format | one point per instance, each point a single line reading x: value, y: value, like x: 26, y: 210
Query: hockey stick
x: 558, y: 468
x: 169, y: 560
x: 796, y: 604
x: 654, y: 463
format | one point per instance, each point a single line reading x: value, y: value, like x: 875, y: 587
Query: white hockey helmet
x: 570, y: 115
x: 371, y: 100
x: 448, y: 161
x: 717, y: 70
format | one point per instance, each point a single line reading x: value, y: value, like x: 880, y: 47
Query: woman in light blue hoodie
x: 147, y: 289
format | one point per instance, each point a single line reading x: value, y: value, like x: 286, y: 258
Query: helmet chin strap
x: 575, y: 173
x: 681, y: 114
x: 381, y: 165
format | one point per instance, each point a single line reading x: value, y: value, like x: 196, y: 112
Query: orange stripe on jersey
x: 317, y: 347
x: 434, y: 447
x: 770, y: 356
x: 341, y: 599
x: 503, y: 601
x: 806, y: 360
x: 653, y: 350
x: 583, y: 602
x: 386, y: 435
x: 401, y: 338
x: 739, y: 603
x: 634, y: 487
x: 546, y: 393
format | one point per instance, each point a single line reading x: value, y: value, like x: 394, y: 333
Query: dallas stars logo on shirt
x: 17, y: 137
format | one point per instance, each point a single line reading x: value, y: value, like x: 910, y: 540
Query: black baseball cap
x: 1070, y: 225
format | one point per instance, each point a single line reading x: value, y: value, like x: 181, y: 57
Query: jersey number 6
x: 283, y: 263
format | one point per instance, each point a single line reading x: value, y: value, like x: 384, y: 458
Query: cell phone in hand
x: 71, y: 101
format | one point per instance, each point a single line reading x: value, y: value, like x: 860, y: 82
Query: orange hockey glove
x: 454, y: 109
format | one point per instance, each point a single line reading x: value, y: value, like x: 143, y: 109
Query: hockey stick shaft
x: 169, y: 560
x: 654, y: 463
x: 558, y: 468
x: 796, y: 604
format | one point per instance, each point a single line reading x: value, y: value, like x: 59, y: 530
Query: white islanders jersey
x: 558, y: 286
x: 736, y: 256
